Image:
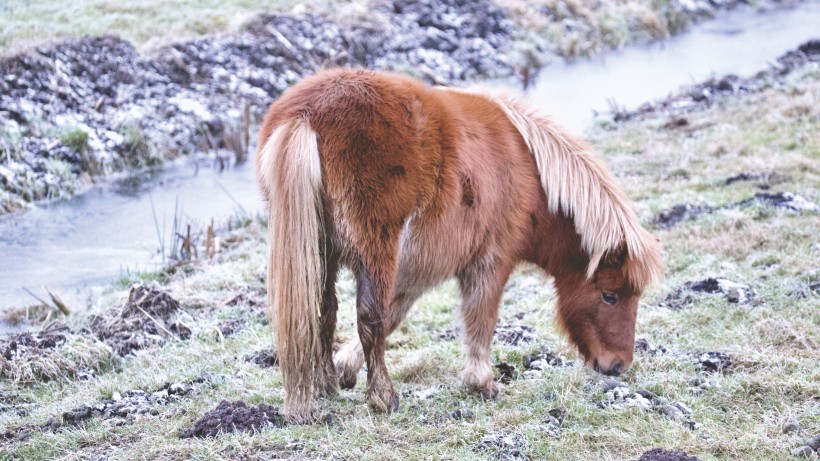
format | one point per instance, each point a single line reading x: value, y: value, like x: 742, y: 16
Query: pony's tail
x: 578, y: 184
x: 290, y: 172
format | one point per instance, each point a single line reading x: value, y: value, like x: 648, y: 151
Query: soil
x: 659, y: 454
x: 714, y: 362
x: 146, y: 319
x: 266, y: 358
x: 235, y: 416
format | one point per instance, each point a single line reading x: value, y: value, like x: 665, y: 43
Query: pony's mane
x: 577, y: 184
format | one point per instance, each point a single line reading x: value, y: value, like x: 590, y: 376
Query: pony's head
x: 598, y: 312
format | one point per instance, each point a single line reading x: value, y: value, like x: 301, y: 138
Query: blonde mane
x: 577, y: 184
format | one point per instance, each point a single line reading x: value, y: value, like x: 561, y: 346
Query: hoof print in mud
x: 233, y: 417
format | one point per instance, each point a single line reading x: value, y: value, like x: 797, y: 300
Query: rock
x: 803, y: 452
x: 672, y: 412
x: 815, y: 442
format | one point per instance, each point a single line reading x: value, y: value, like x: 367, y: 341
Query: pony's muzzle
x: 614, y: 369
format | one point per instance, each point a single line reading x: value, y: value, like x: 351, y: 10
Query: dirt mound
x: 235, y: 416
x: 145, y: 320
x: 689, y: 292
x: 680, y: 212
x: 513, y: 335
x: 266, y: 358
x: 659, y: 454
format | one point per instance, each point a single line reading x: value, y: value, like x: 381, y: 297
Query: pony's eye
x: 609, y: 298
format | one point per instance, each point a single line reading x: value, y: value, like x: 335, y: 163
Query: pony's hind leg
x: 350, y: 357
x: 481, y: 288
x: 372, y: 299
x: 326, y: 380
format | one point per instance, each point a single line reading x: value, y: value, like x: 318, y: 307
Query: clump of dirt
x: 514, y: 334
x: 231, y: 327
x: 507, y: 372
x: 505, y: 446
x: 535, y: 364
x: 764, y: 180
x: 659, y: 454
x: 713, y: 362
x: 266, y: 358
x: 643, y: 346
x: 145, y: 320
x: 15, y: 347
x: 680, y: 212
x: 689, y: 292
x: 235, y: 416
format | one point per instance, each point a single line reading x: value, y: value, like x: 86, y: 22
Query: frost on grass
x: 54, y: 353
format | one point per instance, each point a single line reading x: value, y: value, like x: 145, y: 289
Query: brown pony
x: 409, y: 185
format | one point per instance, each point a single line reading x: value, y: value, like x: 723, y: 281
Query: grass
x: 773, y: 342
x: 149, y: 23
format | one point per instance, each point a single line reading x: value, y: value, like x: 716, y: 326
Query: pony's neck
x: 557, y: 246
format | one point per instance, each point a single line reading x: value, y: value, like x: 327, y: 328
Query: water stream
x: 76, y: 246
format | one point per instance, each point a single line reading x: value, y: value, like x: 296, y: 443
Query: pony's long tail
x: 291, y: 174
x: 578, y: 184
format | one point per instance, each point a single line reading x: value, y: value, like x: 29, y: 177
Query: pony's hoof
x: 490, y: 392
x: 346, y: 380
x: 384, y: 403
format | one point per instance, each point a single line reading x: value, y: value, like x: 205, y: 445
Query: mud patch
x: 230, y: 327
x: 659, y: 454
x: 233, y: 417
x: 266, y: 358
x: 504, y: 446
x: 713, y: 362
x: 763, y: 180
x: 690, y: 292
x: 145, y: 320
x: 506, y: 372
x: 681, y: 212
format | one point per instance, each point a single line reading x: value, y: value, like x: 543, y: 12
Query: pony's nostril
x: 615, y: 369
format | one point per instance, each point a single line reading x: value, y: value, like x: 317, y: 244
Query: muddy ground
x: 93, y: 106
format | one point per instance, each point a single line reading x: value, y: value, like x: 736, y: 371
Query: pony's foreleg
x: 374, y: 285
x: 481, y: 289
x: 350, y: 358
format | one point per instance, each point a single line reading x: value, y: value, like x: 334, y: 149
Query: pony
x: 409, y: 185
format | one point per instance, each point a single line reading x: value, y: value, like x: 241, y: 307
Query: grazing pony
x: 409, y: 185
